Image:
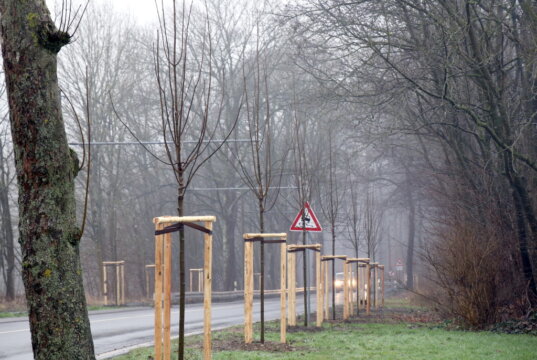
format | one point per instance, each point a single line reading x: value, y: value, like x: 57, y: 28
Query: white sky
x: 142, y: 10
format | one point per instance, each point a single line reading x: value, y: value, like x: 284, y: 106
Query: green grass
x: 15, y: 314
x: 402, y: 303
x: 377, y: 342
x: 10, y: 314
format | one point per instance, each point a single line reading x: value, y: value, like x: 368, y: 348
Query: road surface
x: 126, y: 328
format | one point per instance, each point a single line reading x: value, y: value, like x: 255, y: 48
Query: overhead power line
x: 105, y: 143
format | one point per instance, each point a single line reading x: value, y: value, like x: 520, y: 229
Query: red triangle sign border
x: 294, y: 225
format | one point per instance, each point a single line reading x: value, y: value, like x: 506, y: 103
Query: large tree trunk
x: 46, y: 169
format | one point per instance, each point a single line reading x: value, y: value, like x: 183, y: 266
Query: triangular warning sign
x: 310, y: 222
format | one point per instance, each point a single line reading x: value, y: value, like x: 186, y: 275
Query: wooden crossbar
x: 182, y: 219
x: 298, y: 247
x: 333, y: 257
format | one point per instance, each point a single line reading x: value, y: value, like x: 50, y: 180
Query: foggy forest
x: 409, y: 127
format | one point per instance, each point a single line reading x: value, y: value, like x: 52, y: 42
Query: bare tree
x: 186, y: 104
x: 331, y: 201
x: 260, y: 170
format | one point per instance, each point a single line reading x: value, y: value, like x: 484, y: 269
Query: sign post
x: 304, y: 221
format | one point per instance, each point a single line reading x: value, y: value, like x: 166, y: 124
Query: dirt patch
x: 235, y: 342
x: 309, y: 329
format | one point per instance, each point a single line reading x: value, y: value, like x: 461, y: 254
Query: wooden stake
x: 351, y: 290
x: 167, y: 281
x: 382, y: 283
x: 292, y: 289
x: 357, y: 278
x: 105, y: 286
x: 248, y: 291
x: 207, y: 290
x: 283, y: 291
x: 345, y: 291
x: 376, y: 287
x: 158, y: 293
x: 118, y: 292
x: 320, y: 289
x: 361, y: 287
x: 324, y: 266
x: 123, y: 283
x: 368, y: 280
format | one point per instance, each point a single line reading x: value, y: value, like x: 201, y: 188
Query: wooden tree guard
x: 347, y: 307
x: 163, y: 272
x: 200, y: 278
x: 326, y: 271
x: 249, y: 240
x: 292, y: 249
x: 120, y: 281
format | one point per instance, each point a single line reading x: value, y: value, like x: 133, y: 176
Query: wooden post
x: 167, y: 281
x: 368, y: 281
x: 382, y: 283
x: 351, y: 290
x: 117, y: 286
x: 248, y: 291
x: 376, y: 279
x: 159, y: 240
x: 356, y: 277
x: 292, y: 289
x: 105, y: 286
x: 207, y: 290
x: 361, y: 288
x: 345, y: 291
x: 320, y: 290
x: 190, y: 271
x: 324, y: 270
x: 123, y: 283
x: 283, y: 292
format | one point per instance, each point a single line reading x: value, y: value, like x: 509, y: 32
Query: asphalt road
x: 123, y: 329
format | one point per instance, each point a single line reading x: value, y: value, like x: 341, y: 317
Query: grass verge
x: 360, y: 340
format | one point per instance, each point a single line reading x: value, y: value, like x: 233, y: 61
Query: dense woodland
x: 408, y: 125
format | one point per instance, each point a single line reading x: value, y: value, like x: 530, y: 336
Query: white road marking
x: 14, y: 331
x: 127, y: 317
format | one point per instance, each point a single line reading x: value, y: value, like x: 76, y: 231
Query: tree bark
x: 46, y: 169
